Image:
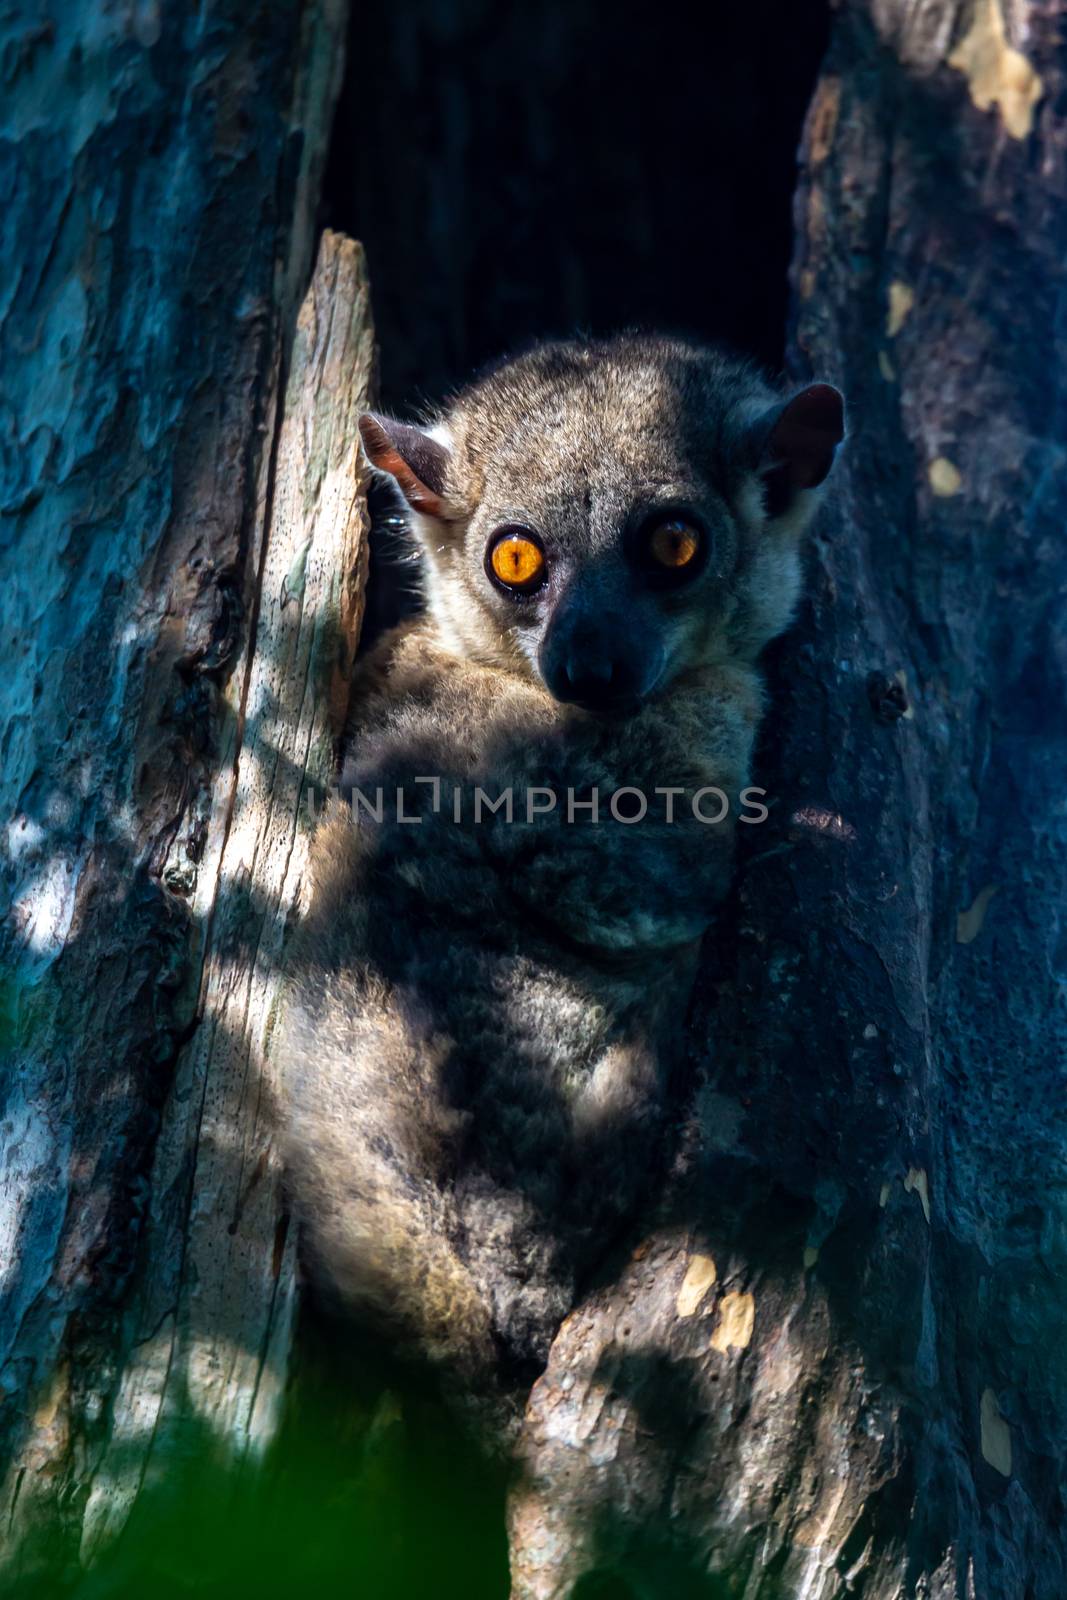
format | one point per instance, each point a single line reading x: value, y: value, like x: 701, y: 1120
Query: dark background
x: 527, y: 171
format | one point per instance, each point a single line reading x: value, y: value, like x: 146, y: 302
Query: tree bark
x: 179, y: 609
x: 834, y: 1363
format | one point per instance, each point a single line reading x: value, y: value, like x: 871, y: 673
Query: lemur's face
x: 607, y: 518
x: 605, y: 614
x: 608, y: 575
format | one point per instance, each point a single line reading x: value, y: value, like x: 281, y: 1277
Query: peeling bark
x: 833, y: 1364
x: 180, y: 601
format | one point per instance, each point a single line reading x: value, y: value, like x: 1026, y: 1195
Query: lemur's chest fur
x: 516, y: 987
x: 524, y: 806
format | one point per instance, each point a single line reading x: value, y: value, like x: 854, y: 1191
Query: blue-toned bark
x: 159, y: 169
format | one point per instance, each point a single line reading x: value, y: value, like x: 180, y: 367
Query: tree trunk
x: 179, y: 612
x: 834, y: 1364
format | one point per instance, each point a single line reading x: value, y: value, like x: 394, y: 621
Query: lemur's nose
x: 596, y: 669
x: 597, y: 678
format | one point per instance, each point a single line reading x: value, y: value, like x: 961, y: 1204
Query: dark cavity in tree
x: 522, y: 172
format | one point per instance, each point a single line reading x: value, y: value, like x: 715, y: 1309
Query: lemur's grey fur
x: 482, y: 1015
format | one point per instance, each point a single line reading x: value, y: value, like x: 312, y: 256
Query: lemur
x: 484, y: 1011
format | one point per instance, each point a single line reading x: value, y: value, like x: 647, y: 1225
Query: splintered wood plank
x: 216, y: 1319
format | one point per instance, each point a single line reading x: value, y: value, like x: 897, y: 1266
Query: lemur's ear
x: 797, y: 441
x: 414, y: 458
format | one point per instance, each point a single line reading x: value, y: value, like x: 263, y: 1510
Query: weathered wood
x: 832, y: 1365
x: 213, y: 1317
x: 174, y: 589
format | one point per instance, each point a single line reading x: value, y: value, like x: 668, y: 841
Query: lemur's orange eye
x: 516, y: 560
x: 674, y: 544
